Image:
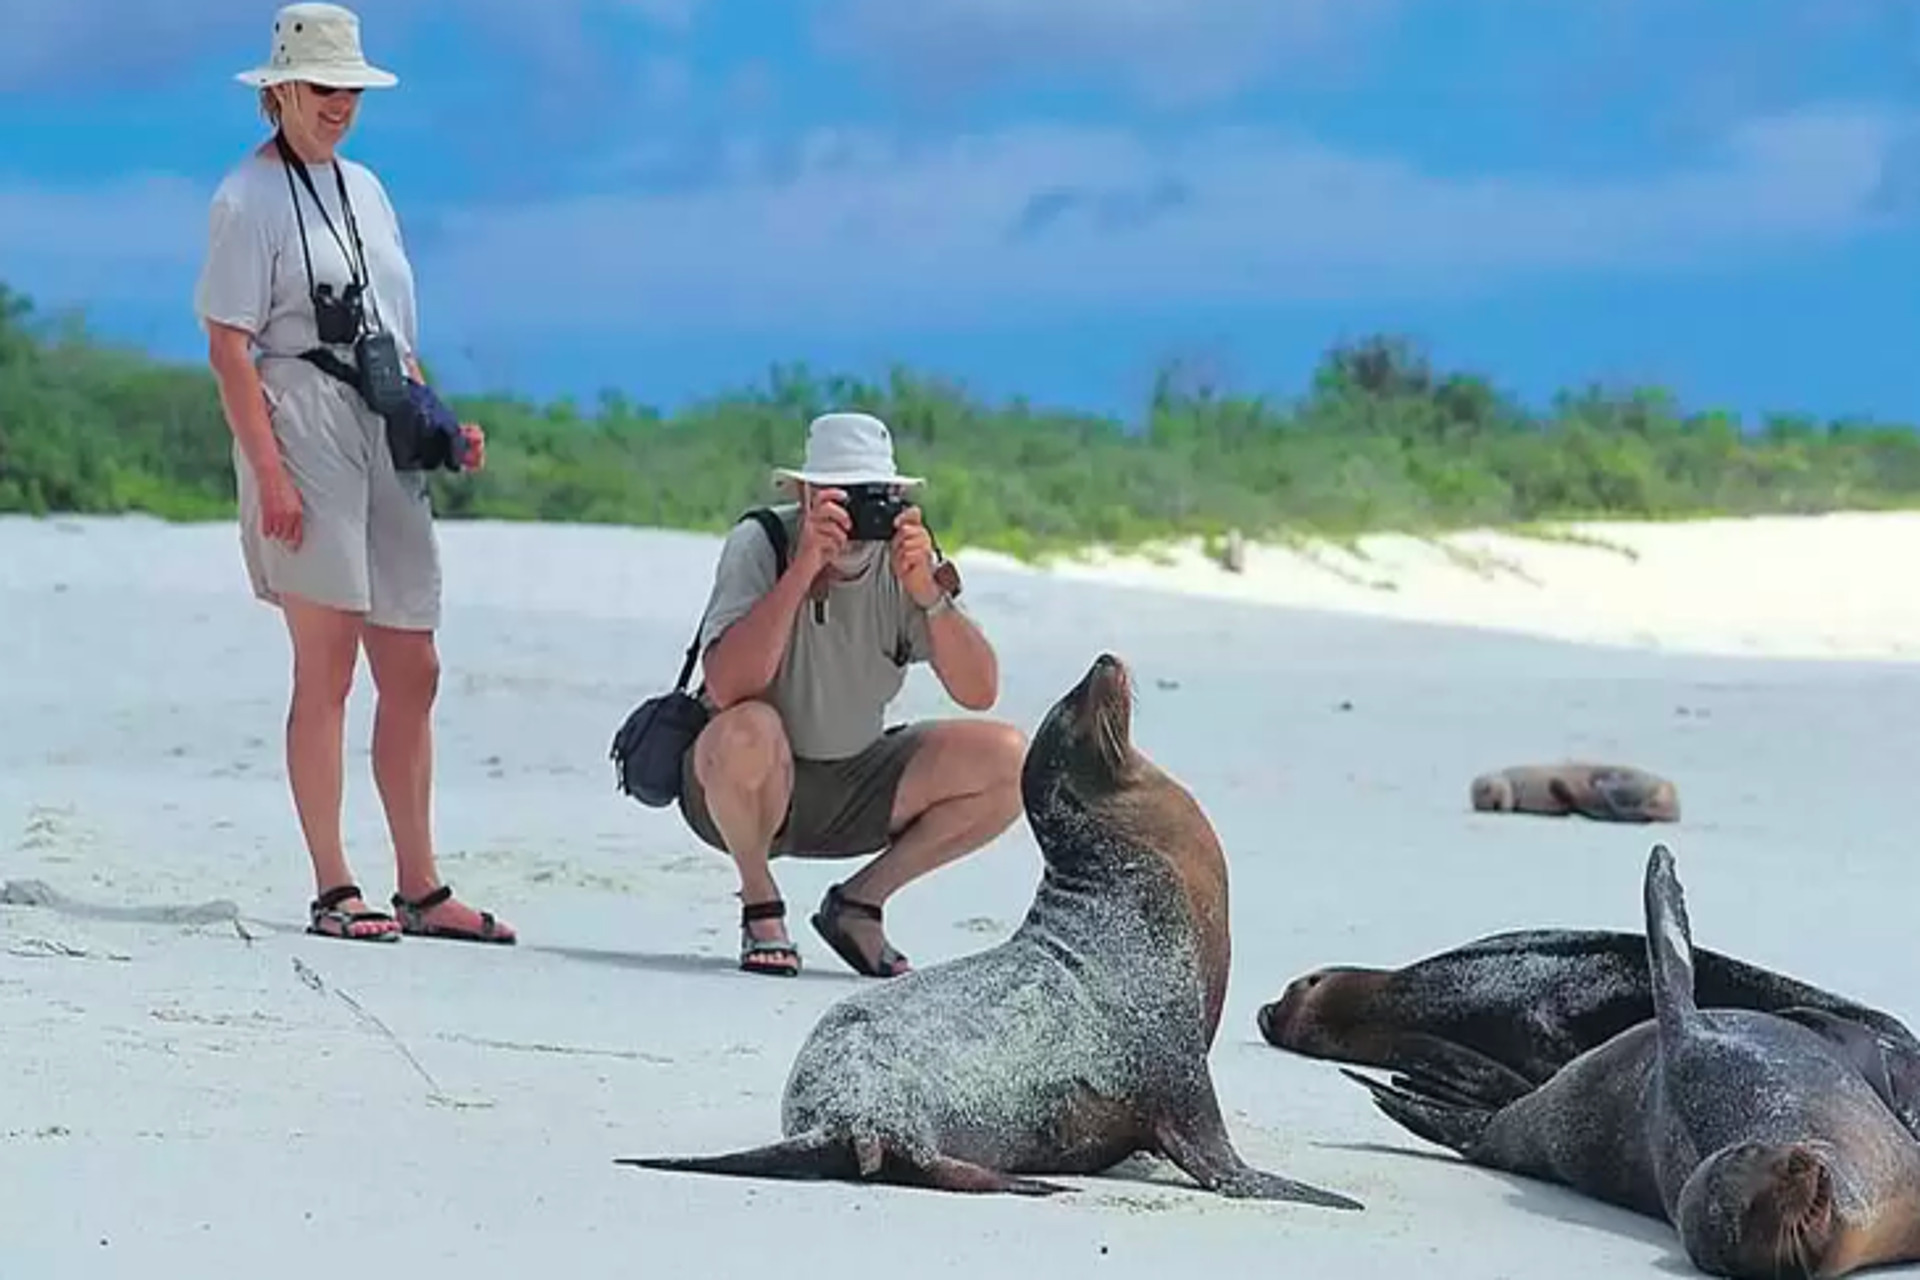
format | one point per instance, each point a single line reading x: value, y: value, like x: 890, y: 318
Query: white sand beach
x: 192, y: 1087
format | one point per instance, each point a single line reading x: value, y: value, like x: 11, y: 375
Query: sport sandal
x: 766, y: 955
x: 413, y: 919
x: 827, y: 923
x: 325, y: 919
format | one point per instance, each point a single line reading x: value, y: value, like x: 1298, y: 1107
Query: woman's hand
x: 476, y: 439
x: 280, y: 507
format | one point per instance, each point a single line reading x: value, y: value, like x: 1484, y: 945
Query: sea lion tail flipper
x: 806, y: 1157
x: 1453, y: 1072
x: 816, y: 1157
x: 945, y: 1173
x: 1448, y: 1122
x: 1669, y: 946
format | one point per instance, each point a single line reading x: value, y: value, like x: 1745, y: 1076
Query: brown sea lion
x: 1508, y: 1010
x: 1755, y: 1137
x: 1603, y: 792
x: 1080, y: 1040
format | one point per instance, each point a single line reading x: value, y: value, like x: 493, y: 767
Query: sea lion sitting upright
x: 1080, y: 1040
x: 1508, y: 1010
x: 1750, y: 1133
x: 1603, y: 792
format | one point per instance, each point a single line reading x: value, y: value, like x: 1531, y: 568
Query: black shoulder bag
x: 651, y: 745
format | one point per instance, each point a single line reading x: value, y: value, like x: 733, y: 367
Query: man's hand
x: 913, y: 558
x: 823, y: 531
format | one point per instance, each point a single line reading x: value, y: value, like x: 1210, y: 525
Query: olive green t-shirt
x: 847, y: 657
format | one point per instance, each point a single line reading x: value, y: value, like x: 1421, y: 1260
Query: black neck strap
x: 357, y: 256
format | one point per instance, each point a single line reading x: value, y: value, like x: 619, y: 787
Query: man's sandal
x: 826, y: 923
x: 325, y: 919
x: 413, y: 919
x: 766, y: 955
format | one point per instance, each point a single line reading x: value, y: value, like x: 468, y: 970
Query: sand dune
x: 1788, y: 586
x: 192, y: 1087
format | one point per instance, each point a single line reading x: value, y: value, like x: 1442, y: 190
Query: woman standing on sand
x: 304, y: 249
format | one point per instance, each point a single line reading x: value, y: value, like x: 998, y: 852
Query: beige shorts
x: 368, y: 543
x: 839, y: 808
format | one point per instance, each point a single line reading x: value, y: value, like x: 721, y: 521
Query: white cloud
x: 87, y: 43
x: 129, y: 239
x: 854, y: 231
x: 1173, y: 51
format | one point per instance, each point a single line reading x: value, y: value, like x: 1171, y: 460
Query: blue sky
x: 1044, y: 197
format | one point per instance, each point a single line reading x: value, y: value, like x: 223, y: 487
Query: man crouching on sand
x: 800, y: 667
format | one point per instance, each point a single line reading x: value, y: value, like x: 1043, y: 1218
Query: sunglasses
x: 328, y: 90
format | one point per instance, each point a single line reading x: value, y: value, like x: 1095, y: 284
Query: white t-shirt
x: 254, y: 276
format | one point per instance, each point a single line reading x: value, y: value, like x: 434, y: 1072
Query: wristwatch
x: 941, y: 603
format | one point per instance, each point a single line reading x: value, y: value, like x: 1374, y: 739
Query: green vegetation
x: 1380, y: 440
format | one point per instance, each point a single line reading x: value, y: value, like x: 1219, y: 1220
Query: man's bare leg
x: 960, y: 791
x: 746, y: 772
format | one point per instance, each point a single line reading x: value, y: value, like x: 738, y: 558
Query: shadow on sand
x: 685, y: 962
x: 1550, y: 1200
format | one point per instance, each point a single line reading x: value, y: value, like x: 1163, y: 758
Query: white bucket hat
x: 319, y: 44
x: 847, y: 448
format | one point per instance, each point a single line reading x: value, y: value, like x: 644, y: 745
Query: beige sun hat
x: 319, y: 44
x: 847, y: 448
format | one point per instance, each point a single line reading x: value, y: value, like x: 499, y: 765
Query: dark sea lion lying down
x: 1754, y: 1136
x: 1508, y: 1010
x: 1080, y: 1040
x: 1603, y: 792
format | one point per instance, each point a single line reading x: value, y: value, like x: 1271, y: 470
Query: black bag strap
x: 329, y: 363
x: 776, y: 531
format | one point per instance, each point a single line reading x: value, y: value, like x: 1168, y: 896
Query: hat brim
x: 359, y: 76
x: 836, y: 478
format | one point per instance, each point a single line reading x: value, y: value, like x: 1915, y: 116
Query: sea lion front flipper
x: 1890, y: 1069
x: 1622, y: 796
x: 1669, y: 950
x: 1610, y: 798
x: 1195, y: 1139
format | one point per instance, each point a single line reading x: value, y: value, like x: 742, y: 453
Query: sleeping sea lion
x: 1603, y: 792
x: 1508, y: 1010
x: 1080, y: 1040
x: 1754, y: 1136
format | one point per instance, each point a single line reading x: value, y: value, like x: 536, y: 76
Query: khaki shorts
x: 839, y: 808
x: 368, y: 543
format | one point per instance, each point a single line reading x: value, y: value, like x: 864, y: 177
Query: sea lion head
x: 1758, y: 1208
x: 1082, y: 752
x: 1492, y: 793
x: 1102, y: 811
x: 1322, y: 1013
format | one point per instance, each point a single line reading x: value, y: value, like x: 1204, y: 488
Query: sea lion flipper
x: 1669, y: 948
x: 809, y: 1156
x: 815, y: 1156
x: 1196, y: 1142
x: 948, y: 1174
x: 1442, y: 1067
x: 1451, y: 1122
